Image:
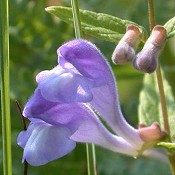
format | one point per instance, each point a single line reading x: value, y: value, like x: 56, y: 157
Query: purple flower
x: 66, y: 104
x: 55, y: 128
x: 42, y: 142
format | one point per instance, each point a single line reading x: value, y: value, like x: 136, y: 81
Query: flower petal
x: 37, y: 105
x: 88, y: 60
x: 82, y: 122
x: 91, y: 130
x: 106, y: 102
x: 45, y: 143
x: 85, y: 57
x: 70, y: 115
x: 58, y: 70
x: 65, y: 88
x: 87, y: 77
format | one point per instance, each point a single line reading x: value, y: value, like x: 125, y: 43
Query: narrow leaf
x: 149, y: 109
x: 170, y: 27
x: 99, y: 25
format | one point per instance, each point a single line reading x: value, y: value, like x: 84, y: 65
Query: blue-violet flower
x: 66, y: 106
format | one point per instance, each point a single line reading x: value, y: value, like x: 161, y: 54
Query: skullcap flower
x: 66, y: 106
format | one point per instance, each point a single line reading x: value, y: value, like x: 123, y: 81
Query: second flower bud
x: 147, y: 59
x: 125, y: 50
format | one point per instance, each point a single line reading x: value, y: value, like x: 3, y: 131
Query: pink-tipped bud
x: 147, y: 59
x: 125, y: 50
x: 151, y: 134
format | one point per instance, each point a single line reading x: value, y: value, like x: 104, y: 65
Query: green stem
x: 152, y: 20
x: 158, y: 71
x: 88, y: 159
x: 152, y: 23
x: 5, y: 88
x: 91, y: 157
x: 94, y: 160
x: 163, y: 101
x: 78, y: 34
x: 76, y: 18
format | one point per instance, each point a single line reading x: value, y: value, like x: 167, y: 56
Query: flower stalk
x: 163, y: 100
x: 158, y: 71
x: 5, y: 88
x: 160, y: 86
x: 78, y: 34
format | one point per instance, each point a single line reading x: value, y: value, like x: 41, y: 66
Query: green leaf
x: 170, y: 102
x: 148, y: 106
x: 167, y: 145
x: 170, y: 27
x: 99, y: 25
x: 149, y: 109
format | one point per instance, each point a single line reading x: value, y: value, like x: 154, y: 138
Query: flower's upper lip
x: 85, y: 57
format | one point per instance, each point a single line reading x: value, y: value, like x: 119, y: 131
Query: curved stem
x: 25, y: 128
x: 5, y: 88
x: 22, y: 117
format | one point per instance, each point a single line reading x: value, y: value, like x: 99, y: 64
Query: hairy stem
x: 152, y: 23
x: 90, y: 152
x: 5, y: 88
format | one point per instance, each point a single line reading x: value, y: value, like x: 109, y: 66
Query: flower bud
x: 151, y: 134
x: 125, y: 50
x: 147, y: 59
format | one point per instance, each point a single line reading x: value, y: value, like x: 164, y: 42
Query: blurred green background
x: 34, y: 37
